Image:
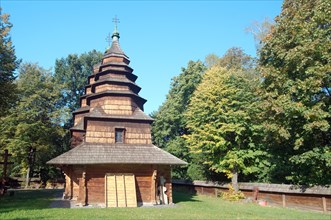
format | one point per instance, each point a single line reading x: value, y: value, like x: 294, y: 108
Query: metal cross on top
x: 108, y: 39
x: 116, y: 21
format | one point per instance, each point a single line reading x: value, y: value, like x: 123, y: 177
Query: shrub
x: 232, y: 195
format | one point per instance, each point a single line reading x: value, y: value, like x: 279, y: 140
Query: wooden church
x: 113, y: 162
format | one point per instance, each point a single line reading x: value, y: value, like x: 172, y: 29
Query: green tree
x: 8, y: 64
x: 222, y: 126
x: 233, y: 58
x: 71, y: 74
x: 33, y: 123
x: 169, y: 124
x: 295, y: 62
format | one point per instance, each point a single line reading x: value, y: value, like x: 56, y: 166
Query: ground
x: 36, y: 204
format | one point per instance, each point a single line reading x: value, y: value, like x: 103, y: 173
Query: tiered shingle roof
x: 96, y: 153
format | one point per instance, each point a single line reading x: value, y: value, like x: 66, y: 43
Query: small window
x: 119, y: 135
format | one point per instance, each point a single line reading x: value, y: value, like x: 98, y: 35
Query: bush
x: 232, y: 195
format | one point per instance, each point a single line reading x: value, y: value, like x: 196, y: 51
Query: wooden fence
x: 311, y: 198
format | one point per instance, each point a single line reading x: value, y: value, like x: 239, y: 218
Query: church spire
x: 115, y: 48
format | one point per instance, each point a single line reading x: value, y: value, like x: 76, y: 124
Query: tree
x: 260, y: 31
x: 169, y: 124
x: 8, y: 64
x: 234, y: 58
x: 221, y: 122
x: 32, y: 128
x: 295, y: 62
x: 71, y: 74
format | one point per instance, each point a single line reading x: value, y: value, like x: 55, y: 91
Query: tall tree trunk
x: 31, y: 158
x: 27, y: 181
x: 234, y: 179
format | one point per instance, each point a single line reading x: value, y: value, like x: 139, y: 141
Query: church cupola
x: 114, y: 53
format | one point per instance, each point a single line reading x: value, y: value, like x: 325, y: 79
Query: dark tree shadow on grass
x: 184, y: 195
x: 28, y: 199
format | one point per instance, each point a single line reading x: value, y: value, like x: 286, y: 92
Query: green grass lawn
x: 34, y: 204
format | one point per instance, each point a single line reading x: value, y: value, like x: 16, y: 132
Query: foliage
x: 169, y: 124
x: 223, y: 132
x: 260, y: 31
x: 33, y: 121
x: 8, y: 64
x: 232, y: 194
x: 295, y: 62
x: 71, y: 74
x: 234, y: 58
x: 33, y: 204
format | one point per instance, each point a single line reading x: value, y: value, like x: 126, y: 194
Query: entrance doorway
x: 121, y: 190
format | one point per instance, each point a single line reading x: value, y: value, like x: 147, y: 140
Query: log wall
x: 104, y: 132
x: 95, y: 181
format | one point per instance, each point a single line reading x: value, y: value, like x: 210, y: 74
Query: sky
x: 160, y: 37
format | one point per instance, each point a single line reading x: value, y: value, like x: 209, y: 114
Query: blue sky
x: 160, y: 37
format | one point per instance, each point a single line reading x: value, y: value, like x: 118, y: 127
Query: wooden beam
x: 84, y: 188
x: 284, y: 200
x: 153, y: 187
x: 324, y: 204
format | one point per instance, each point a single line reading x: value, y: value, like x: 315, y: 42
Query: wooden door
x: 121, y: 190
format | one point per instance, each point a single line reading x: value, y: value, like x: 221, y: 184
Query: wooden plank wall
x: 95, y: 181
x: 77, y: 137
x: 115, y: 105
x: 165, y: 171
x: 83, y: 102
x: 105, y: 87
x: 120, y: 68
x: 88, y: 90
x: 104, y: 132
x: 91, y: 80
x: 78, y: 117
x: 76, y: 175
x: 318, y: 202
x: 114, y: 59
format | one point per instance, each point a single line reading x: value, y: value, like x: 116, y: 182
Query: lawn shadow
x: 28, y: 199
x: 59, y: 202
x: 182, y: 194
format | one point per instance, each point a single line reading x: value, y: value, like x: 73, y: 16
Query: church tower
x: 113, y: 162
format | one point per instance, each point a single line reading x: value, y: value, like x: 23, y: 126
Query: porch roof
x: 97, y: 153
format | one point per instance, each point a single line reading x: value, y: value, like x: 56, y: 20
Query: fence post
x: 324, y: 204
x: 284, y: 200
